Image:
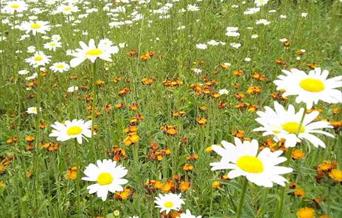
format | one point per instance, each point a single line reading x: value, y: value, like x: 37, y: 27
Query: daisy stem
x: 288, y: 156
x: 93, y: 79
x: 78, y: 166
x: 244, y: 189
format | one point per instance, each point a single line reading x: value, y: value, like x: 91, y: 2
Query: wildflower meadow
x: 171, y: 108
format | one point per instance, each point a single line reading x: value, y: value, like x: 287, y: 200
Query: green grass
x: 47, y: 193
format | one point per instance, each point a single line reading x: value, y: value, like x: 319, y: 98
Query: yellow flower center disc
x: 36, y: 26
x: 94, y: 52
x: 312, y: 85
x: 293, y: 127
x: 74, y: 130
x: 250, y: 164
x: 104, y: 178
x: 168, y: 204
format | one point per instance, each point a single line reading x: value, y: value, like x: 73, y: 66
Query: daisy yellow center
x: 38, y: 58
x: 15, y: 6
x: 168, y: 204
x: 60, y: 66
x: 94, y: 52
x: 36, y: 25
x: 74, y: 130
x: 312, y: 85
x: 67, y: 8
x: 250, y: 164
x: 104, y: 178
x: 293, y: 127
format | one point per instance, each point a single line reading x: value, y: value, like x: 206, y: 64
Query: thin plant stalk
x: 288, y: 156
x: 243, y: 194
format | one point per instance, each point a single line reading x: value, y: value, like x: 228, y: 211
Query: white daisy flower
x: 188, y: 214
x: 168, y: 202
x: 78, y: 129
x: 201, y: 46
x: 108, y: 177
x: 60, y: 67
x: 15, y: 7
x: 38, y: 59
x: 259, y: 3
x: 243, y: 159
x: 56, y: 38
x: 232, y: 31
x: 23, y: 72
x: 53, y: 45
x: 262, y: 22
x: 104, y: 50
x: 223, y: 92
x: 250, y: 11
x: 310, y: 88
x: 66, y: 9
x: 33, y: 110
x: 285, y: 124
x: 235, y: 45
x: 192, y: 7
x: 35, y: 27
x: 72, y: 89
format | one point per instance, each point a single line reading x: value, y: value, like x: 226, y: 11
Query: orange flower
x: 169, y: 130
x: 239, y: 133
x: 118, y: 153
x: 184, y: 186
x: 224, y: 66
x: 147, y: 81
x: 178, y: 113
x: 4, y: 163
x: 281, y: 62
x: 167, y: 187
x: 134, y: 106
x: 336, y: 124
x: 71, y: 173
x: 29, y: 138
x: 254, y: 90
x: 299, y: 192
x: 306, y: 212
x: 201, y: 121
x: 209, y: 149
x: 131, y: 139
x: 172, y: 83
x: 259, y: 76
x: 297, y: 154
x: 158, y: 185
x: 124, y: 91
x: 100, y: 83
x: 188, y: 167
x: 238, y: 72
x: 216, y: 185
x: 12, y: 140
x: 312, y: 66
x: 119, y: 106
x: 326, y: 166
x: 51, y: 146
x: 193, y: 156
x: 124, y: 195
x: 336, y: 175
x: 278, y: 96
x: 252, y: 108
x: 239, y: 96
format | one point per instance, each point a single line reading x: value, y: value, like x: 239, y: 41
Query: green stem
x: 244, y: 189
x: 288, y: 156
x: 93, y: 110
x: 78, y: 189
